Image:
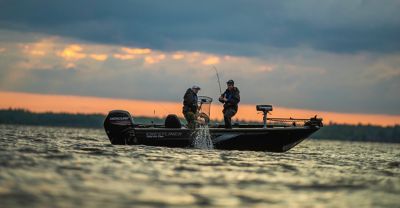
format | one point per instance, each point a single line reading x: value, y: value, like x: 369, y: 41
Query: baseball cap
x: 230, y: 82
x: 196, y: 87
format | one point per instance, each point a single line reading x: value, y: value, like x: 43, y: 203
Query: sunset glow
x: 87, y: 105
x: 211, y: 61
x: 99, y: 57
x: 136, y: 57
x: 72, y: 53
x: 137, y: 51
x: 323, y: 75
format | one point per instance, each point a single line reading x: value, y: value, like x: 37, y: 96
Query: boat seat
x: 172, y: 121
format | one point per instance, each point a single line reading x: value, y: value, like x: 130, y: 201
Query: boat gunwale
x: 229, y: 130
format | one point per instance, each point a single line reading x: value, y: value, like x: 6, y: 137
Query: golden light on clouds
x: 39, y: 48
x: 33, y: 52
x: 154, y: 59
x: 99, y: 57
x: 2, y: 50
x: 178, y: 56
x: 192, y: 57
x: 36, y: 55
x: 72, y: 53
x: 136, y: 51
x: 124, y: 56
x: 211, y: 60
x: 50, y: 48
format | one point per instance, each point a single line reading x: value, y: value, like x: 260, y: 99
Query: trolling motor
x: 264, y: 109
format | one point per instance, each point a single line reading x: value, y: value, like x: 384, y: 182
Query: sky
x: 312, y: 56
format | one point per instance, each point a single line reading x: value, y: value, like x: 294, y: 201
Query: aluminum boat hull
x: 121, y: 130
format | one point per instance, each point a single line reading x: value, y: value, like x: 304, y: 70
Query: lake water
x: 67, y: 167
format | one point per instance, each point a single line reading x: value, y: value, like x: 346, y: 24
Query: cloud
x: 226, y: 27
x: 300, y: 77
x: 133, y: 53
x: 136, y: 51
x: 39, y: 48
x: 124, y: 56
x: 99, y: 57
x: 211, y: 60
x: 154, y: 59
x: 178, y: 56
x: 72, y: 53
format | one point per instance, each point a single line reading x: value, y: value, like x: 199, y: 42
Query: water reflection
x: 64, y: 167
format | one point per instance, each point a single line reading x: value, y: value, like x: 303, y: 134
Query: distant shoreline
x: 342, y: 132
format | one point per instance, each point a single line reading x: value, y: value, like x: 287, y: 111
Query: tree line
x: 24, y: 117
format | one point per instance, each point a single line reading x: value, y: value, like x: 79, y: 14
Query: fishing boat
x: 273, y: 135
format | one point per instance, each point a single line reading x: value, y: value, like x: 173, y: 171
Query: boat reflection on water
x: 274, y: 135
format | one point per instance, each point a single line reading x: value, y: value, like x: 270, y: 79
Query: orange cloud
x: 2, y: 50
x: 136, y: 51
x: 72, y: 53
x: 40, y: 48
x: 124, y: 56
x: 178, y: 56
x: 192, y: 57
x: 35, y: 52
x: 154, y: 59
x: 211, y: 60
x: 99, y: 57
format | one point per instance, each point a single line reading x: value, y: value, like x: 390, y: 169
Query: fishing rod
x: 219, y: 83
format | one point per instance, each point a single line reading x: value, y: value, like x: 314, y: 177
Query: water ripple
x: 69, y: 167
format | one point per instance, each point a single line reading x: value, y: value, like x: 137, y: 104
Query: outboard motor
x: 172, y: 121
x: 119, y: 127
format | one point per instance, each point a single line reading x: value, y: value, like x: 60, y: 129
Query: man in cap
x: 190, y: 105
x: 230, y: 98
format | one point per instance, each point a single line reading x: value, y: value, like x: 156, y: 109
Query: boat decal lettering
x: 118, y: 118
x: 163, y: 134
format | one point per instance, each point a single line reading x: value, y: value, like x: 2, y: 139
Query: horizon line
x: 180, y: 117
x: 56, y: 103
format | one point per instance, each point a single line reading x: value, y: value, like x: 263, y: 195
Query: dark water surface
x: 67, y: 167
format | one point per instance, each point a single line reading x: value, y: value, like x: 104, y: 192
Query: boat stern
x: 119, y: 127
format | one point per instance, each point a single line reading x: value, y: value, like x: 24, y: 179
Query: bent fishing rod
x: 219, y: 83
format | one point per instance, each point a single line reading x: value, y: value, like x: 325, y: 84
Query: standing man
x: 190, y: 105
x: 230, y: 98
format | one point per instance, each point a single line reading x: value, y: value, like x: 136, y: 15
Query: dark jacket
x: 233, y: 98
x: 190, y: 101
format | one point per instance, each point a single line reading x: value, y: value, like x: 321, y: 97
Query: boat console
x: 203, y: 113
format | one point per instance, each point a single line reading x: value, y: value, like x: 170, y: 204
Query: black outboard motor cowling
x: 119, y: 127
x: 172, y: 121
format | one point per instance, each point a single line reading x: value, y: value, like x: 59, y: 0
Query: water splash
x: 202, y: 138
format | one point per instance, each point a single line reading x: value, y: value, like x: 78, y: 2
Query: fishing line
x: 219, y: 82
